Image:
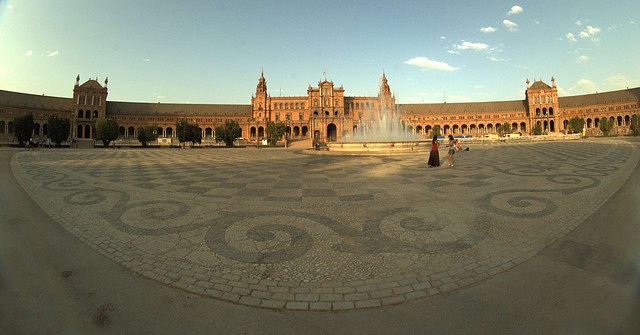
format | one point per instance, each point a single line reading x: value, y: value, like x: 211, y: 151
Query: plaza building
x: 324, y: 114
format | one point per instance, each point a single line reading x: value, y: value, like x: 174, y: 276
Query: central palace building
x: 325, y: 113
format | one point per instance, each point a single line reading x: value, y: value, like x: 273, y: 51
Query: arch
x: 252, y: 132
x: 427, y: 129
x: 565, y: 124
x: 627, y: 120
x: 79, y: 133
x: 208, y: 132
x: 87, y: 131
x: 445, y: 129
x: 95, y: 114
x: 514, y: 126
x: 121, y: 132
x: 261, y: 132
x: 87, y: 114
x: 332, y: 132
x: 550, y: 110
x: 537, y: 111
x: 489, y: 128
x: 296, y: 131
x: 131, y: 132
x: 481, y: 128
x: 523, y: 126
x: 326, y: 113
x: 612, y: 120
x: 315, y: 113
x: 589, y: 121
x: 169, y: 132
x: 596, y: 123
x: 2, y: 127
x: 45, y: 129
x: 464, y: 129
x: 418, y: 129
x: 473, y: 129
x: 619, y: 119
x: 305, y: 131
x: 36, y: 129
x: 552, y: 126
x: 455, y: 129
x: 80, y: 114
x: 544, y: 111
x: 159, y: 132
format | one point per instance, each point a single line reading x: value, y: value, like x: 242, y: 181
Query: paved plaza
x: 289, y: 229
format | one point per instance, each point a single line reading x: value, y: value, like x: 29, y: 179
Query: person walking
x: 451, y: 146
x: 434, y: 156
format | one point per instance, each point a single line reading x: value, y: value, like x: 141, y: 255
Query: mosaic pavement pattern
x: 282, y: 229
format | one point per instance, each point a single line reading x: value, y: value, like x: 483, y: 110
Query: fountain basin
x: 378, y: 148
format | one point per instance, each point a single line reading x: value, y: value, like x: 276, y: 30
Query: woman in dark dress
x: 434, y: 156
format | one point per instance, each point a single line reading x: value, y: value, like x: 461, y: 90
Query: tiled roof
x: 23, y: 100
x: 464, y: 107
x: 628, y: 95
x: 143, y: 108
x: 539, y: 85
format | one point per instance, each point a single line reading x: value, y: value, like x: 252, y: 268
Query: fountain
x: 384, y: 133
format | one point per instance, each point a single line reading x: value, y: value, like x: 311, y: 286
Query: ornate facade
x: 325, y: 113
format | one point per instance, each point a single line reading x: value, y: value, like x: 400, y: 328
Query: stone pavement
x: 286, y: 230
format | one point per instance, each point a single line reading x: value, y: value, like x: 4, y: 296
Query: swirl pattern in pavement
x: 281, y: 229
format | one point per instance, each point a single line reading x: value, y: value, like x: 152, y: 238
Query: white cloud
x: 515, y: 10
x: 591, y: 33
x: 612, y: 28
x: 511, y: 26
x: 51, y: 54
x: 582, y: 59
x: 29, y: 53
x: 426, y: 64
x: 519, y: 66
x: 579, y: 23
x: 619, y: 82
x: 583, y: 86
x: 9, y: 7
x: 536, y: 21
x: 146, y: 60
x: 471, y: 46
x: 488, y: 30
x: 571, y: 37
x: 443, y: 38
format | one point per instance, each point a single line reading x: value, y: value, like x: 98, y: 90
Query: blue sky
x: 213, y: 51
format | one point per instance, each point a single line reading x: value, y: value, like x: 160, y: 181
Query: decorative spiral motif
x: 85, y: 198
x: 246, y: 237
x: 517, y: 204
x: 432, y: 231
x: 161, y: 217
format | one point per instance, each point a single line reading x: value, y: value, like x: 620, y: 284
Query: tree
x: 147, y: 134
x: 23, y: 128
x: 188, y: 132
x: 274, y: 131
x: 229, y: 132
x: 106, y: 130
x: 436, y: 130
x: 605, y: 126
x: 576, y: 124
x: 503, y: 129
x: 635, y: 125
x: 58, y: 129
x: 537, y: 130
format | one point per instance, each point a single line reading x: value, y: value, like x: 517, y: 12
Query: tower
x: 542, y: 105
x: 260, y: 101
x: 89, y: 104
